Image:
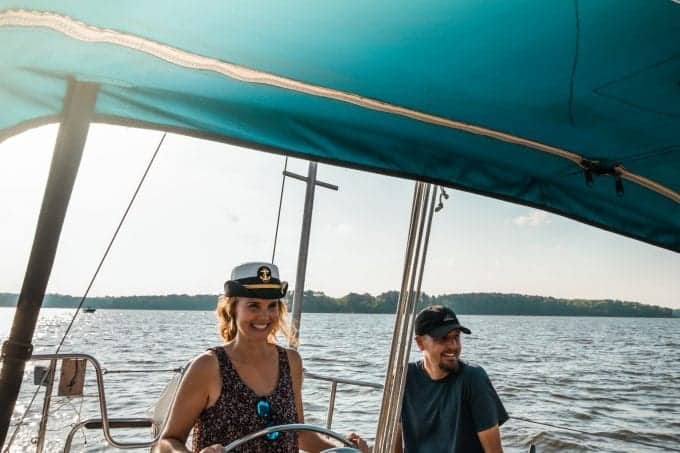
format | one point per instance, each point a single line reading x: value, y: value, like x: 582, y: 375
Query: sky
x: 206, y: 207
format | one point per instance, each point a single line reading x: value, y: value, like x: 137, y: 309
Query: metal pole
x: 304, y: 247
x: 78, y: 107
x: 46, y: 406
x: 406, y: 340
x: 416, y: 252
x: 331, y: 405
x: 401, y: 307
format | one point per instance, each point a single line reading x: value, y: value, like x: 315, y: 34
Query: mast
x: 78, y: 108
x: 311, y: 182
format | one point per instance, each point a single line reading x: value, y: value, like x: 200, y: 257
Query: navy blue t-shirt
x: 444, y: 416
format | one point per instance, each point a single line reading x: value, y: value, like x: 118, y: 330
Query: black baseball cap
x: 258, y: 280
x: 437, y: 321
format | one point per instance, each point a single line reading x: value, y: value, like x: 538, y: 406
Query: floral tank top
x: 235, y: 414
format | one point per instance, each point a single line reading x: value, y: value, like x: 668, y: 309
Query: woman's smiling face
x: 256, y: 318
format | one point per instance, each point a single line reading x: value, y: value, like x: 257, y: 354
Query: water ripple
x: 589, y: 374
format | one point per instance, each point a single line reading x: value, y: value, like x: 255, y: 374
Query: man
x: 449, y: 406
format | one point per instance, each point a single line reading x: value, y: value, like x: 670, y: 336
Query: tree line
x: 386, y: 303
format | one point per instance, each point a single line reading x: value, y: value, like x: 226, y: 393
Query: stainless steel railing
x: 97, y: 423
x: 334, y: 387
x: 105, y: 423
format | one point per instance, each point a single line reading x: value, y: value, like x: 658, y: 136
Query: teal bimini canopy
x: 565, y: 105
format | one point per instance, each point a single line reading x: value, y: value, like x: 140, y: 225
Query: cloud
x: 534, y: 218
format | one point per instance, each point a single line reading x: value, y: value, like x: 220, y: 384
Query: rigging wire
x: 278, y: 217
x: 89, y: 286
x: 75, y: 409
x: 113, y: 238
x: 589, y: 433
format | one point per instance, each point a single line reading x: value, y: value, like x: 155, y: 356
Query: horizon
x: 347, y: 294
x: 207, y: 206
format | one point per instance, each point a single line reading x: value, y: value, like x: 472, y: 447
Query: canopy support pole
x: 78, y: 108
x: 395, y: 377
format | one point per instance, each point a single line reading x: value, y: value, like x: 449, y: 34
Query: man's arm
x: 491, y: 440
x: 487, y: 411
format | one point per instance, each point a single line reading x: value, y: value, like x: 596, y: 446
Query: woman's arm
x: 200, y: 388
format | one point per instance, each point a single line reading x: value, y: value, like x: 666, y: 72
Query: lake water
x: 618, y: 376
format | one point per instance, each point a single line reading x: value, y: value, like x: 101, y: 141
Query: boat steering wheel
x: 350, y: 447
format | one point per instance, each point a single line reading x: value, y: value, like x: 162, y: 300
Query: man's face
x: 442, y: 353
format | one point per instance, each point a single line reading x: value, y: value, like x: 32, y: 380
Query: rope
x: 605, y: 435
x: 442, y: 196
x: 87, y: 291
x: 278, y: 217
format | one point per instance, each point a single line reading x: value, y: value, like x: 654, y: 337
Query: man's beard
x: 449, y: 368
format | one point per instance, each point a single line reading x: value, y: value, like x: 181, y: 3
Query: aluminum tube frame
x: 407, y: 332
x: 415, y: 283
x: 399, y: 368
x: 78, y: 109
x: 416, y: 253
x: 380, y: 441
x: 320, y: 377
x: 414, y: 293
x: 113, y: 423
x: 101, y: 394
x: 109, y: 423
x: 385, y: 409
x: 334, y: 388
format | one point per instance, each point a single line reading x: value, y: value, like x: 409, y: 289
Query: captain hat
x: 257, y: 280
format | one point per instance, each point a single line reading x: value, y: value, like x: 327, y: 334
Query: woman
x: 250, y: 382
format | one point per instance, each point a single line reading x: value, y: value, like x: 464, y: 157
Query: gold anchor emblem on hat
x: 264, y: 273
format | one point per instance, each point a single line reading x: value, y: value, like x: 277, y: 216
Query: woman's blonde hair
x: 226, y: 321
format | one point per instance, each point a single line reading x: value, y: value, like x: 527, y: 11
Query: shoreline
x: 364, y: 313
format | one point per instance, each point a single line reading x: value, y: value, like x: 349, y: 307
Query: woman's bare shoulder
x: 294, y: 357
x: 205, y: 364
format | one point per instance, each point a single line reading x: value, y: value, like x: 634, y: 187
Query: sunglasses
x: 264, y: 411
